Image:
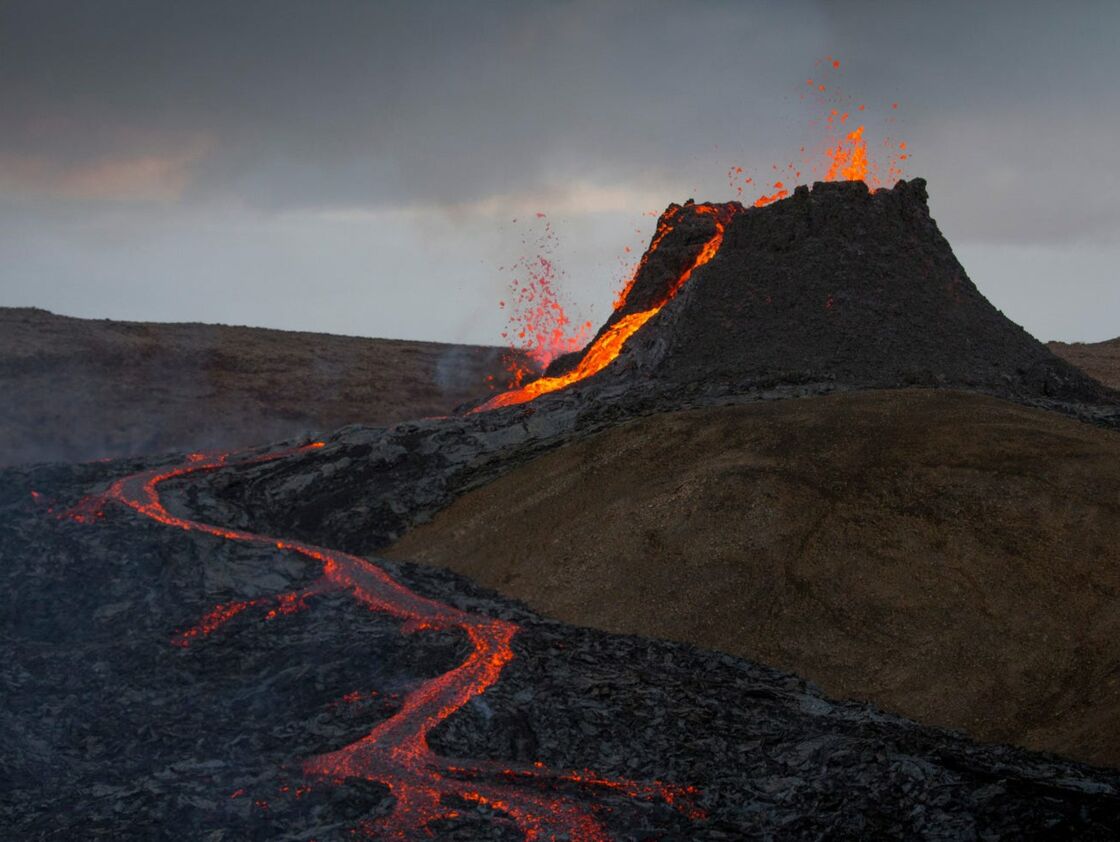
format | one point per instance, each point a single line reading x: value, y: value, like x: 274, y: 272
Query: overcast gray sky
x: 357, y: 167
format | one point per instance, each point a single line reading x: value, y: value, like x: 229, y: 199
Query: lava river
x: 542, y: 803
x: 606, y: 347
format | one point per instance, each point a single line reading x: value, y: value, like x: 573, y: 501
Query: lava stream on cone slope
x: 608, y: 344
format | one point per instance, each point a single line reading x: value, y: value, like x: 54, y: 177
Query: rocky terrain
x: 213, y: 647
x: 83, y: 389
x: 948, y: 556
x: 114, y: 727
x: 1097, y: 359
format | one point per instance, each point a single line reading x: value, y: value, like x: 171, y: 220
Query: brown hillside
x: 949, y: 556
x: 81, y: 389
x: 1100, y: 360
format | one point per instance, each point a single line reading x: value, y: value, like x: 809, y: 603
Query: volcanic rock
x: 111, y: 731
x: 682, y: 232
x: 844, y: 285
x: 829, y: 290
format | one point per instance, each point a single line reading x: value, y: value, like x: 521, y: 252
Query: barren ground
x: 1097, y: 359
x: 79, y: 389
x: 949, y: 556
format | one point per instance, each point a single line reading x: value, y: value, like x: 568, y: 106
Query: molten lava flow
x: 396, y: 752
x: 780, y: 192
x: 608, y: 344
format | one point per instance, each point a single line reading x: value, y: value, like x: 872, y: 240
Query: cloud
x: 1010, y: 177
x: 341, y: 103
x: 139, y: 177
x: 467, y: 105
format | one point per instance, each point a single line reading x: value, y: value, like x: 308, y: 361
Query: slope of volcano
x: 952, y: 557
x: 832, y: 289
x: 81, y: 389
x: 1100, y: 360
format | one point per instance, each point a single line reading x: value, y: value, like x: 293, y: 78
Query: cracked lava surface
x: 542, y: 803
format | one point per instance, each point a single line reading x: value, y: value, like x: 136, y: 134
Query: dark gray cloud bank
x: 356, y: 167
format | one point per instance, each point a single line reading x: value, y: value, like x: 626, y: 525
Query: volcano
x: 210, y: 645
x: 835, y: 284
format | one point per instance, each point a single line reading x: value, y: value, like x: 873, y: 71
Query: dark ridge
x: 83, y: 389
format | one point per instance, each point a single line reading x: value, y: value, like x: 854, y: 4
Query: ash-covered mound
x: 948, y: 556
x: 834, y: 284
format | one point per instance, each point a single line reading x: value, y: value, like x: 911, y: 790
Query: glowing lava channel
x: 608, y: 345
x: 396, y: 752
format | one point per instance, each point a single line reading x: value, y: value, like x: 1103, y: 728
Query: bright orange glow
x: 849, y: 162
x: 780, y: 193
x: 609, y: 343
x: 842, y: 154
x: 396, y: 751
